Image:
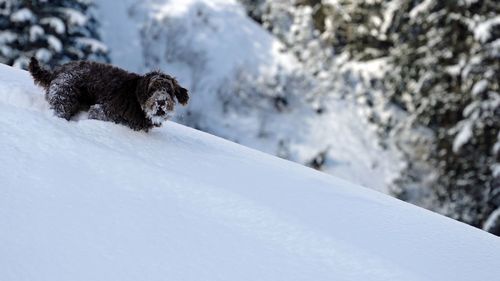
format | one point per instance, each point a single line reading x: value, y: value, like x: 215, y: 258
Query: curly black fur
x: 138, y: 101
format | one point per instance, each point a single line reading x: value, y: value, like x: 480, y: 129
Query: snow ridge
x: 92, y: 200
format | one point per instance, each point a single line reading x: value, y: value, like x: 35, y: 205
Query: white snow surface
x: 91, y: 200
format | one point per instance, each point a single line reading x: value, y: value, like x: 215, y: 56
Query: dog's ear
x: 182, y: 95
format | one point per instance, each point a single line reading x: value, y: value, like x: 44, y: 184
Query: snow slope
x: 90, y: 200
x: 208, y: 45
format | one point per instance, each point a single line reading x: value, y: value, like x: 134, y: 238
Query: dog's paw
x: 97, y: 112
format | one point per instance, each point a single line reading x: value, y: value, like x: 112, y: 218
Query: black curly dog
x: 109, y: 93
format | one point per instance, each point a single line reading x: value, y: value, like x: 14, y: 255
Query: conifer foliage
x: 442, y: 77
x: 53, y: 31
x: 445, y: 69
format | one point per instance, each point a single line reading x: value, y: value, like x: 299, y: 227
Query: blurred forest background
x: 422, y: 74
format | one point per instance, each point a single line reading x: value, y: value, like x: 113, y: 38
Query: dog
x: 109, y: 93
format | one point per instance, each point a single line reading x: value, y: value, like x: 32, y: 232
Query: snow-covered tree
x: 492, y: 224
x: 299, y: 25
x: 445, y: 76
x: 53, y: 31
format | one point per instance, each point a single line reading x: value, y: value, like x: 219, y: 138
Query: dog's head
x: 157, y: 93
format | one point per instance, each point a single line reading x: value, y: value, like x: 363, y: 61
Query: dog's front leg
x: 97, y: 112
x: 140, y: 125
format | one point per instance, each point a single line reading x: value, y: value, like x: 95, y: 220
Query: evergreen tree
x: 355, y: 27
x: 445, y: 76
x: 53, y: 31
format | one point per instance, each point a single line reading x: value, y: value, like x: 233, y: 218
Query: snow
x: 215, y: 50
x: 22, y: 15
x: 469, y: 2
x: 420, y: 8
x: 56, y: 23
x: 454, y: 70
x: 464, y: 135
x: 54, y: 43
x: 480, y: 87
x: 21, y: 61
x: 95, y: 45
x: 7, y: 37
x: 483, y: 30
x: 92, y: 200
x: 495, y: 48
x: 496, y: 147
x: 496, y: 170
x: 75, y: 17
x: 492, y: 221
x: 391, y: 9
x: 36, y: 32
x: 43, y: 54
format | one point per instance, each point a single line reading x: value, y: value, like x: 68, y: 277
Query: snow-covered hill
x: 237, y: 73
x: 90, y: 200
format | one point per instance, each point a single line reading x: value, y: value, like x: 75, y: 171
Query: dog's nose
x: 160, y: 112
x: 161, y: 102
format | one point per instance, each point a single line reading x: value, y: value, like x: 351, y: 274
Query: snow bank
x: 222, y: 56
x: 90, y: 200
